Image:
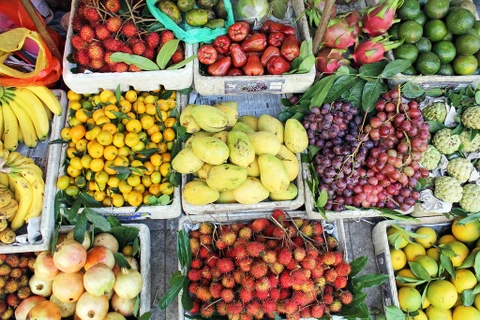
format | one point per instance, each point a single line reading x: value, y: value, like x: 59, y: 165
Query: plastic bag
x: 188, y: 33
x: 47, y: 68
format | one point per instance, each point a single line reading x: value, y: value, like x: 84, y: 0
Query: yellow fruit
x: 156, y: 177
x: 138, y: 147
x: 198, y: 193
x: 113, y: 182
x: 95, y: 149
x: 63, y: 182
x: 99, y: 195
x: 461, y: 250
x: 135, y: 198
x: 110, y: 127
x: 101, y: 177
x: 465, y: 279
x: 442, y: 294
x: 403, y: 242
x: 105, y: 138
x: 166, y: 188
x: 420, y: 316
x: 82, y: 115
x: 110, y: 152
x: 72, y: 191
x: 117, y: 200
x: 165, y: 169
x: 468, y: 232
x: 109, y: 111
x: 429, y: 240
x: 121, y: 161
x: 72, y: 172
x: 466, y: 313
x: 81, y: 145
x: 105, y: 95
x: 133, y: 125
x: 413, y: 250
x: 426, y: 303
x: 146, y: 181
x: 147, y: 122
x: 407, y: 273
x: 77, y: 132
x: 186, y: 161
x: 399, y: 260
x: 251, y: 191
x: 140, y: 188
x: 132, y: 139
x: 434, y: 253
x: 428, y: 264
x: 76, y: 163
x: 124, y: 187
x: 446, y: 239
x: 134, y: 180
x: 118, y: 140
x: 96, y: 165
x: 128, y: 251
x: 168, y: 134
x: 409, y: 299
x: 65, y: 134
x: 131, y: 96
x: 72, y: 96
x: 477, y: 302
x: 438, y: 314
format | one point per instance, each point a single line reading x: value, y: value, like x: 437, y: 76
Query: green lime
x: 422, y: 3
x: 393, y: 31
x: 473, y: 32
x: 446, y: 70
x: 469, y: 5
x: 435, y: 30
x: 421, y: 18
x: 445, y: 50
x: 476, y: 26
x: 406, y: 51
x: 410, y: 31
x: 424, y: 45
x: 465, y: 65
x: 460, y: 21
x: 448, y: 37
x: 408, y: 10
x: 467, y: 44
x: 436, y: 9
x: 427, y: 63
x: 410, y: 71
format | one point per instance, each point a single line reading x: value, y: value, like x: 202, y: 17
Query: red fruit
x: 273, y: 280
x: 258, y: 270
x: 346, y: 297
x: 204, y: 252
x: 270, y: 257
x: 373, y: 50
x: 380, y: 18
x: 339, y: 34
x: 78, y: 43
x: 194, y: 275
x: 166, y: 36
x: 13, y: 300
x: 82, y: 57
x: 193, y: 287
x: 278, y: 232
x: 331, y: 275
x: 291, y: 307
x: 114, y: 24
x: 298, y: 241
x: 259, y: 225
x: 317, y: 272
x: 340, y: 282
x: 87, y: 34
x: 206, y: 272
x: 207, y: 310
x: 96, y: 52
x: 77, y: 23
x: 240, y: 252
x: 96, y: 63
x: 196, y: 263
x: 129, y: 29
x: 152, y: 39
x: 207, y: 55
x: 317, y: 310
x: 253, y: 308
x: 239, y: 58
x: 329, y: 60
x: 234, y: 308
x: 284, y: 256
x: 255, y: 43
x: 238, y: 31
x: 254, y: 249
x: 216, y: 274
x: 225, y: 265
x: 279, y: 215
x: 338, y: 258
x: 269, y: 53
x: 220, y: 244
x: 286, y: 280
x: 262, y: 284
x: 269, y: 306
x: 91, y: 14
x: 254, y: 66
x: 222, y: 308
x: 276, y: 39
x: 309, y: 263
x: 245, y: 233
x: 285, y: 294
x: 222, y: 44
x: 216, y: 290
x: 245, y: 264
x: 336, y: 306
x: 248, y: 283
x: 354, y: 19
x: 299, y: 254
x: 212, y: 260
x: 178, y: 56
x: 262, y: 295
x: 293, y: 265
x: 343, y: 269
x: 329, y: 258
x: 108, y: 60
x: 300, y: 298
x: 149, y: 53
x: 139, y: 48
x: 279, y: 27
x: 306, y: 313
x: 228, y: 236
x: 245, y: 295
x: 120, y: 67
x: 327, y: 298
x: 308, y: 286
x: 203, y: 293
x: 298, y: 277
x: 113, y: 5
x: 196, y: 306
x: 332, y: 242
x: 228, y: 281
x: 114, y: 45
x: 238, y: 275
x: 328, y: 289
x: 313, y: 253
x: 290, y: 48
x: 227, y: 295
x: 102, y: 33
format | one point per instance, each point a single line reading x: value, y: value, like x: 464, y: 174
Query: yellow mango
x: 295, y: 136
x: 188, y: 143
x: 289, y: 194
x: 273, y: 174
x: 231, y: 104
x: 186, y: 161
x: 210, y: 118
x: 250, y: 121
x: 226, y: 197
x: 203, y: 171
x: 186, y: 119
x: 239, y: 126
x: 264, y: 142
x: 198, y: 193
x: 222, y: 135
x: 253, y: 170
x: 226, y: 177
x: 251, y: 191
x: 232, y: 114
x: 271, y: 124
x: 290, y: 161
x: 241, y: 149
x: 210, y: 150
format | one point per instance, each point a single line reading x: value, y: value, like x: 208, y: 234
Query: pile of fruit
x: 368, y: 163
x: 246, y: 161
x: 267, y: 268
x: 15, y: 273
x: 25, y: 115
x: 119, y: 150
x: 436, y: 276
x: 246, y: 52
x: 101, y: 28
x: 440, y: 37
x: 196, y: 13
x: 82, y: 279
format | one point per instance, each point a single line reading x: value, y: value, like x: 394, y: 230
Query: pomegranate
x: 123, y: 306
x: 40, y: 287
x: 99, y: 279
x: 87, y: 239
x: 70, y: 256
x: 92, y: 308
x: 380, y: 18
x: 45, y: 310
x: 114, y: 316
x: 373, y: 50
x: 67, y: 309
x: 339, y: 34
x: 107, y: 240
x: 329, y: 60
x: 128, y: 283
x: 99, y: 255
x: 44, y: 267
x: 68, y: 287
x: 26, y: 305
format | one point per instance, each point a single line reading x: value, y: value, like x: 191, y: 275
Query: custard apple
x: 471, y: 198
x: 448, y: 189
x: 470, y: 146
x: 435, y: 112
x: 471, y: 118
x: 430, y: 158
x: 445, y: 142
x: 460, y: 169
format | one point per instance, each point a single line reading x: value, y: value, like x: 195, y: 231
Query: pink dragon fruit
x: 380, y: 18
x: 372, y: 50
x: 354, y: 19
x: 321, y: 7
x: 329, y: 60
x: 339, y: 34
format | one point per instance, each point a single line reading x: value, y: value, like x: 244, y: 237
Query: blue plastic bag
x: 188, y: 33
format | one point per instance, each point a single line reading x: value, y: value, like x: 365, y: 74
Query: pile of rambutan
x: 280, y: 266
x: 102, y: 27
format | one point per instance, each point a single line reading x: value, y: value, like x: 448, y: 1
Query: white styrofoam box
x: 145, y: 252
x: 382, y: 251
x: 142, y: 80
x: 187, y: 223
x: 277, y: 84
x: 47, y: 157
x: 247, y: 105
x: 170, y: 211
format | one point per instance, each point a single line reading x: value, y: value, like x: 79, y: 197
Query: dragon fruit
x: 339, y: 34
x: 380, y: 18
x: 329, y: 60
x: 321, y: 6
x: 354, y: 19
x: 372, y: 50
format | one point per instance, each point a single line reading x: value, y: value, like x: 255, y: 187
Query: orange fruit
x: 135, y: 198
x: 169, y: 134
x: 167, y: 157
x: 81, y: 144
x: 147, y: 122
x: 77, y: 132
x: 110, y: 152
x: 165, y: 169
x: 118, y: 140
x: 131, y: 96
x: 95, y: 149
x: 131, y: 139
x: 153, y: 129
x: 110, y: 127
x: 65, y: 134
x: 82, y: 115
x: 134, y: 125
x: 105, y: 138
x: 96, y: 165
x: 72, y: 96
x: 108, y: 167
x: 169, y: 122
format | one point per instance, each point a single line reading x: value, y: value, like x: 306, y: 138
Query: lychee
x: 87, y: 34
x: 245, y: 295
x: 284, y: 256
x: 207, y: 310
x: 234, y: 308
x: 227, y: 295
x: 258, y: 269
x: 228, y: 281
x: 317, y: 310
x: 299, y: 254
x: 254, y: 249
x: 152, y: 39
x: 331, y: 275
x: 166, y: 36
x: 24, y: 292
x: 91, y: 14
x: 340, y: 282
x: 13, y: 300
x: 258, y: 225
x: 269, y: 306
x: 78, y: 43
x: 102, y: 32
x: 203, y: 293
x: 222, y: 308
x: 336, y: 306
x: 346, y: 297
x: 129, y: 29
x: 253, y: 308
x: 113, y: 5
x: 194, y: 274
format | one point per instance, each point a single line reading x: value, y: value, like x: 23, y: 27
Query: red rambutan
x: 248, y: 283
x: 276, y: 268
x: 96, y: 63
x: 320, y: 282
x: 298, y: 241
x: 246, y: 316
x: 272, y: 244
x: 284, y: 256
x: 91, y: 14
x: 78, y: 43
x: 113, y: 5
x: 228, y: 281
x: 193, y: 287
x: 299, y: 254
x: 95, y: 51
x: 114, y: 24
x: 196, y: 306
x: 245, y: 295
x: 166, y: 36
x: 291, y: 231
x: 102, y: 32
x: 279, y: 215
x: 309, y: 263
x: 225, y: 265
x: 82, y: 58
x: 229, y: 237
x: 331, y: 275
x: 206, y: 272
x: 216, y: 290
x: 216, y: 274
x: 115, y: 45
x: 286, y: 280
x: 298, y: 277
x: 313, y: 253
x: 338, y: 258
x: 343, y: 269
x: 205, y: 239
x: 273, y: 280
x: 87, y: 33
x: 328, y: 258
x: 269, y: 257
x: 285, y: 294
x: 336, y: 306
x: 129, y: 29
x: 262, y: 295
x: 278, y: 232
x: 306, y: 313
x: 121, y: 67
x: 275, y: 294
x: 194, y: 274
x: 236, y: 226
x: 240, y: 252
x: 207, y: 310
x: 307, y: 229
x: 204, y: 252
x: 340, y: 282
x: 211, y: 260
x: 300, y: 298
x: 234, y: 308
x: 327, y: 298
x: 308, y: 286
x: 269, y: 230
x: 258, y: 269
x: 317, y: 228
x: 227, y: 295
x: 262, y: 284
x: 220, y: 244
x: 203, y: 293
x: 253, y: 308
x: 318, y: 240
x: 196, y: 263
x: 245, y: 233
x: 258, y: 225
x: 269, y: 306
x: 317, y: 310
x: 245, y: 264
x: 346, y: 297
x: 77, y: 23
x: 206, y: 228
x: 293, y: 265
x: 152, y: 39
x: 291, y: 306
x: 254, y: 249
x: 222, y: 308
x: 332, y: 242
x: 317, y: 273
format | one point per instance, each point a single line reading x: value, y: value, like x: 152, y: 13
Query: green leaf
x: 477, y: 97
x: 370, y: 280
x: 358, y: 299
x: 446, y: 263
x: 136, y: 247
x: 395, y: 67
x: 424, y: 293
x: 183, y: 248
x: 394, y: 313
x: 306, y: 65
x: 124, y: 234
x: 370, y: 95
x: 139, y: 61
x: 468, y: 297
x: 394, y: 215
x: 325, y: 85
x: 322, y: 199
x: 166, y: 53
x: 113, y: 221
x: 434, y: 92
x: 306, y: 49
x: 470, y: 218
x: 435, y: 126
x: 341, y: 85
x: 279, y: 8
x: 354, y: 94
x: 187, y: 301
x: 358, y: 265
x: 368, y: 71
x: 414, y: 281
x: 419, y: 271
x: 121, y: 261
x: 171, y: 294
x: 446, y: 250
x: 181, y: 63
x: 476, y: 266
x: 80, y: 227
x: 97, y: 220
x: 120, y: 115
x: 146, y: 316
x: 411, y: 90
x: 118, y: 93
x: 458, y: 129
x: 469, y: 261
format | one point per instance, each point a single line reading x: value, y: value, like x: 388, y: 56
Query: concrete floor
x: 164, y: 260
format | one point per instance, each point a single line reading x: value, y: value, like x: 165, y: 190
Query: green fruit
x: 446, y: 70
x: 469, y: 5
x: 435, y: 30
x: 445, y: 50
x: 460, y: 21
x: 196, y: 17
x: 410, y: 31
x: 421, y: 18
x: 407, y: 52
x: 393, y: 31
x: 448, y: 37
x: 206, y: 4
x: 424, y: 45
x: 215, y: 23
x: 436, y: 9
x: 428, y: 63
x: 185, y: 5
x: 465, y: 65
x: 410, y: 71
x: 409, y: 10
x: 171, y: 10
x: 210, y: 14
x: 220, y: 10
x: 476, y: 26
x: 467, y: 44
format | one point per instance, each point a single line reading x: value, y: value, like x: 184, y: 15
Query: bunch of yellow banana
x: 25, y: 115
x: 24, y: 179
